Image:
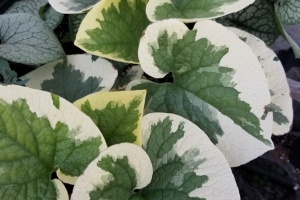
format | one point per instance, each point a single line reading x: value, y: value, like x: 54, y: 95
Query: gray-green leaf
x: 74, y: 23
x: 287, y: 37
x: 288, y: 11
x: 27, y: 39
x: 257, y: 19
x: 51, y: 17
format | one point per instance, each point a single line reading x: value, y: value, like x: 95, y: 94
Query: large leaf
x: 38, y: 8
x: 193, y: 10
x: 37, y: 137
x: 288, y: 11
x: 257, y: 19
x: 281, y: 101
x: 186, y: 165
x: 114, y: 174
x: 75, y: 79
x: 215, y: 72
x: 118, y: 115
x: 72, y: 6
x: 27, y: 39
x: 113, y: 28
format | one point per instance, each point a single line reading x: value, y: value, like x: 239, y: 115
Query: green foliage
x: 69, y: 83
x: 116, y: 122
x: 30, y: 34
x: 118, y: 33
x: 8, y: 76
x: 32, y: 150
x: 257, y: 19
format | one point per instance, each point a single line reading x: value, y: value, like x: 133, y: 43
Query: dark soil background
x: 273, y: 176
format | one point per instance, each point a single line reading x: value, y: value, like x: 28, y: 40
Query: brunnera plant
x: 219, y: 111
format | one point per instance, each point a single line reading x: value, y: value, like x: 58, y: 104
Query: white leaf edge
x: 65, y: 178
x: 82, y: 62
x: 41, y: 103
x: 225, y: 9
x: 221, y: 184
x: 275, y: 75
x: 62, y: 193
x: 238, y: 146
x: 56, y: 4
x: 94, y: 176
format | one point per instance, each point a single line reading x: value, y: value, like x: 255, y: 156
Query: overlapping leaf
x: 288, y: 11
x: 218, y: 84
x: 37, y: 137
x: 38, y: 8
x: 27, y: 39
x: 74, y: 23
x: 185, y: 164
x: 257, y: 19
x: 72, y: 6
x: 114, y: 174
x: 79, y: 77
x: 281, y: 101
x: 118, y: 115
x: 193, y: 10
x: 113, y: 28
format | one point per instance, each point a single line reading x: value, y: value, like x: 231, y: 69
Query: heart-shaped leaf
x: 186, y: 165
x: 114, y: 174
x: 215, y: 74
x: 38, y: 8
x: 257, y: 19
x: 281, y: 101
x: 193, y: 10
x: 72, y: 6
x: 118, y: 115
x: 79, y: 77
x: 37, y: 137
x: 288, y: 11
x: 27, y: 39
x: 113, y: 28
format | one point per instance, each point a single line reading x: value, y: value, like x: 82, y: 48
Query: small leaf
x: 27, y: 39
x: 72, y: 6
x: 257, y: 19
x: 51, y: 17
x: 74, y: 23
x: 193, y: 10
x: 288, y: 11
x: 74, y: 79
x: 215, y: 72
x: 113, y: 28
x: 118, y: 115
x: 37, y: 138
x: 281, y: 101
